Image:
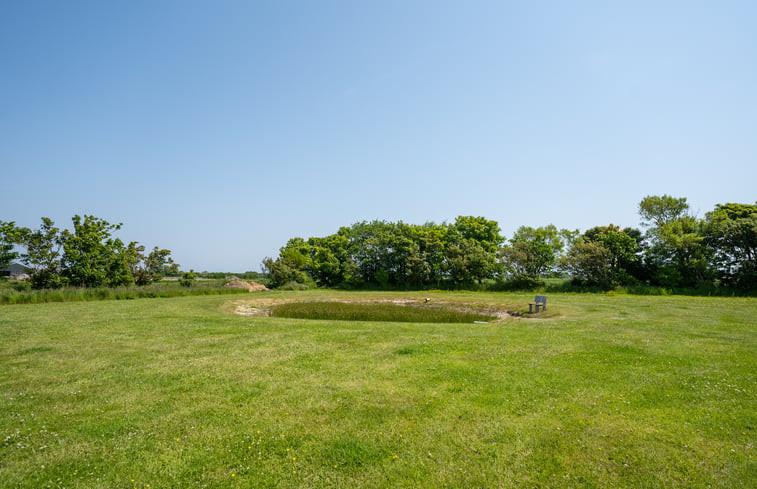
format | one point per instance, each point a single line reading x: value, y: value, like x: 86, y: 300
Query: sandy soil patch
x: 237, y: 283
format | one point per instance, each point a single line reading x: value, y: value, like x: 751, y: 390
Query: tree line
x: 85, y: 256
x: 673, y: 249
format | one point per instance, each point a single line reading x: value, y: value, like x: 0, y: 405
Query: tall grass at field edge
x: 70, y: 294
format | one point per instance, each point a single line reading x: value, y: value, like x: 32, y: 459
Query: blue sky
x: 221, y: 129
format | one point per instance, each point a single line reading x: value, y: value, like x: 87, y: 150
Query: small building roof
x: 14, y: 269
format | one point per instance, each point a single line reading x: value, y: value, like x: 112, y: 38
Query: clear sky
x: 220, y: 129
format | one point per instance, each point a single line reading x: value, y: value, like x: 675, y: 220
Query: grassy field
x: 600, y: 391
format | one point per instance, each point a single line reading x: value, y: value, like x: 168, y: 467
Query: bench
x: 539, y: 301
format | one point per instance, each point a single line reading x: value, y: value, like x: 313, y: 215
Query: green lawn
x: 600, y: 391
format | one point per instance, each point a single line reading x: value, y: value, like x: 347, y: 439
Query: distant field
x: 600, y: 391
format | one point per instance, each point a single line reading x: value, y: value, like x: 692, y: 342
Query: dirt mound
x: 237, y: 283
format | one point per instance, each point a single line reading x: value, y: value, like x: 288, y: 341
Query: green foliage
x: 10, y: 236
x: 43, y: 252
x: 677, y: 255
x: 590, y: 262
x: 604, y: 256
x: 294, y: 286
x: 281, y: 271
x: 88, y: 256
x: 329, y: 264
x: 468, y: 261
x: 188, y: 278
x: 623, y: 246
x: 731, y: 234
x: 171, y: 269
x: 657, y: 211
x: 479, y: 230
x: 146, y: 269
x: 386, y: 254
x: 532, y: 252
x: 91, y: 257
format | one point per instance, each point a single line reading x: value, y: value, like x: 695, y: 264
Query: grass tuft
x: 350, y: 452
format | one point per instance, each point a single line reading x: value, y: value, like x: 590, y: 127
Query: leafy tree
x: 330, y: 264
x: 91, y: 258
x: 532, y: 252
x: 134, y: 255
x: 43, y: 254
x: 172, y: 270
x: 291, y: 265
x: 146, y: 269
x: 469, y: 261
x: 480, y: 230
x: 590, y: 262
x: 432, y: 242
x: 604, y: 256
x: 10, y: 236
x: 371, y: 250
x: 731, y: 234
x: 296, y: 253
x: 658, y: 211
x: 677, y: 255
x: 622, y: 246
x: 281, y: 271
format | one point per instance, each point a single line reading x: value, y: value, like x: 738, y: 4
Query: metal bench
x: 539, y: 301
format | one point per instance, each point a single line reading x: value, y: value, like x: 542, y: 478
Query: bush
x: 292, y: 285
x: 188, y: 278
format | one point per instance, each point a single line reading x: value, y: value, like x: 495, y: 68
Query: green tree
x: 480, y: 230
x: 371, y: 250
x: 677, y: 255
x: 43, y: 255
x: 731, y: 235
x: 146, y: 269
x: 469, y: 261
x: 532, y: 252
x: 330, y: 264
x: 658, y: 211
x: 292, y: 265
x: 280, y: 272
x: 10, y: 236
x: 590, y: 262
x: 91, y: 258
x: 623, y: 247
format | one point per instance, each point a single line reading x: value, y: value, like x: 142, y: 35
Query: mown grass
x: 608, y: 391
x: 401, y: 313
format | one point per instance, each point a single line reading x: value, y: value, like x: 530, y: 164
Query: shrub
x: 292, y: 285
x: 188, y: 278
